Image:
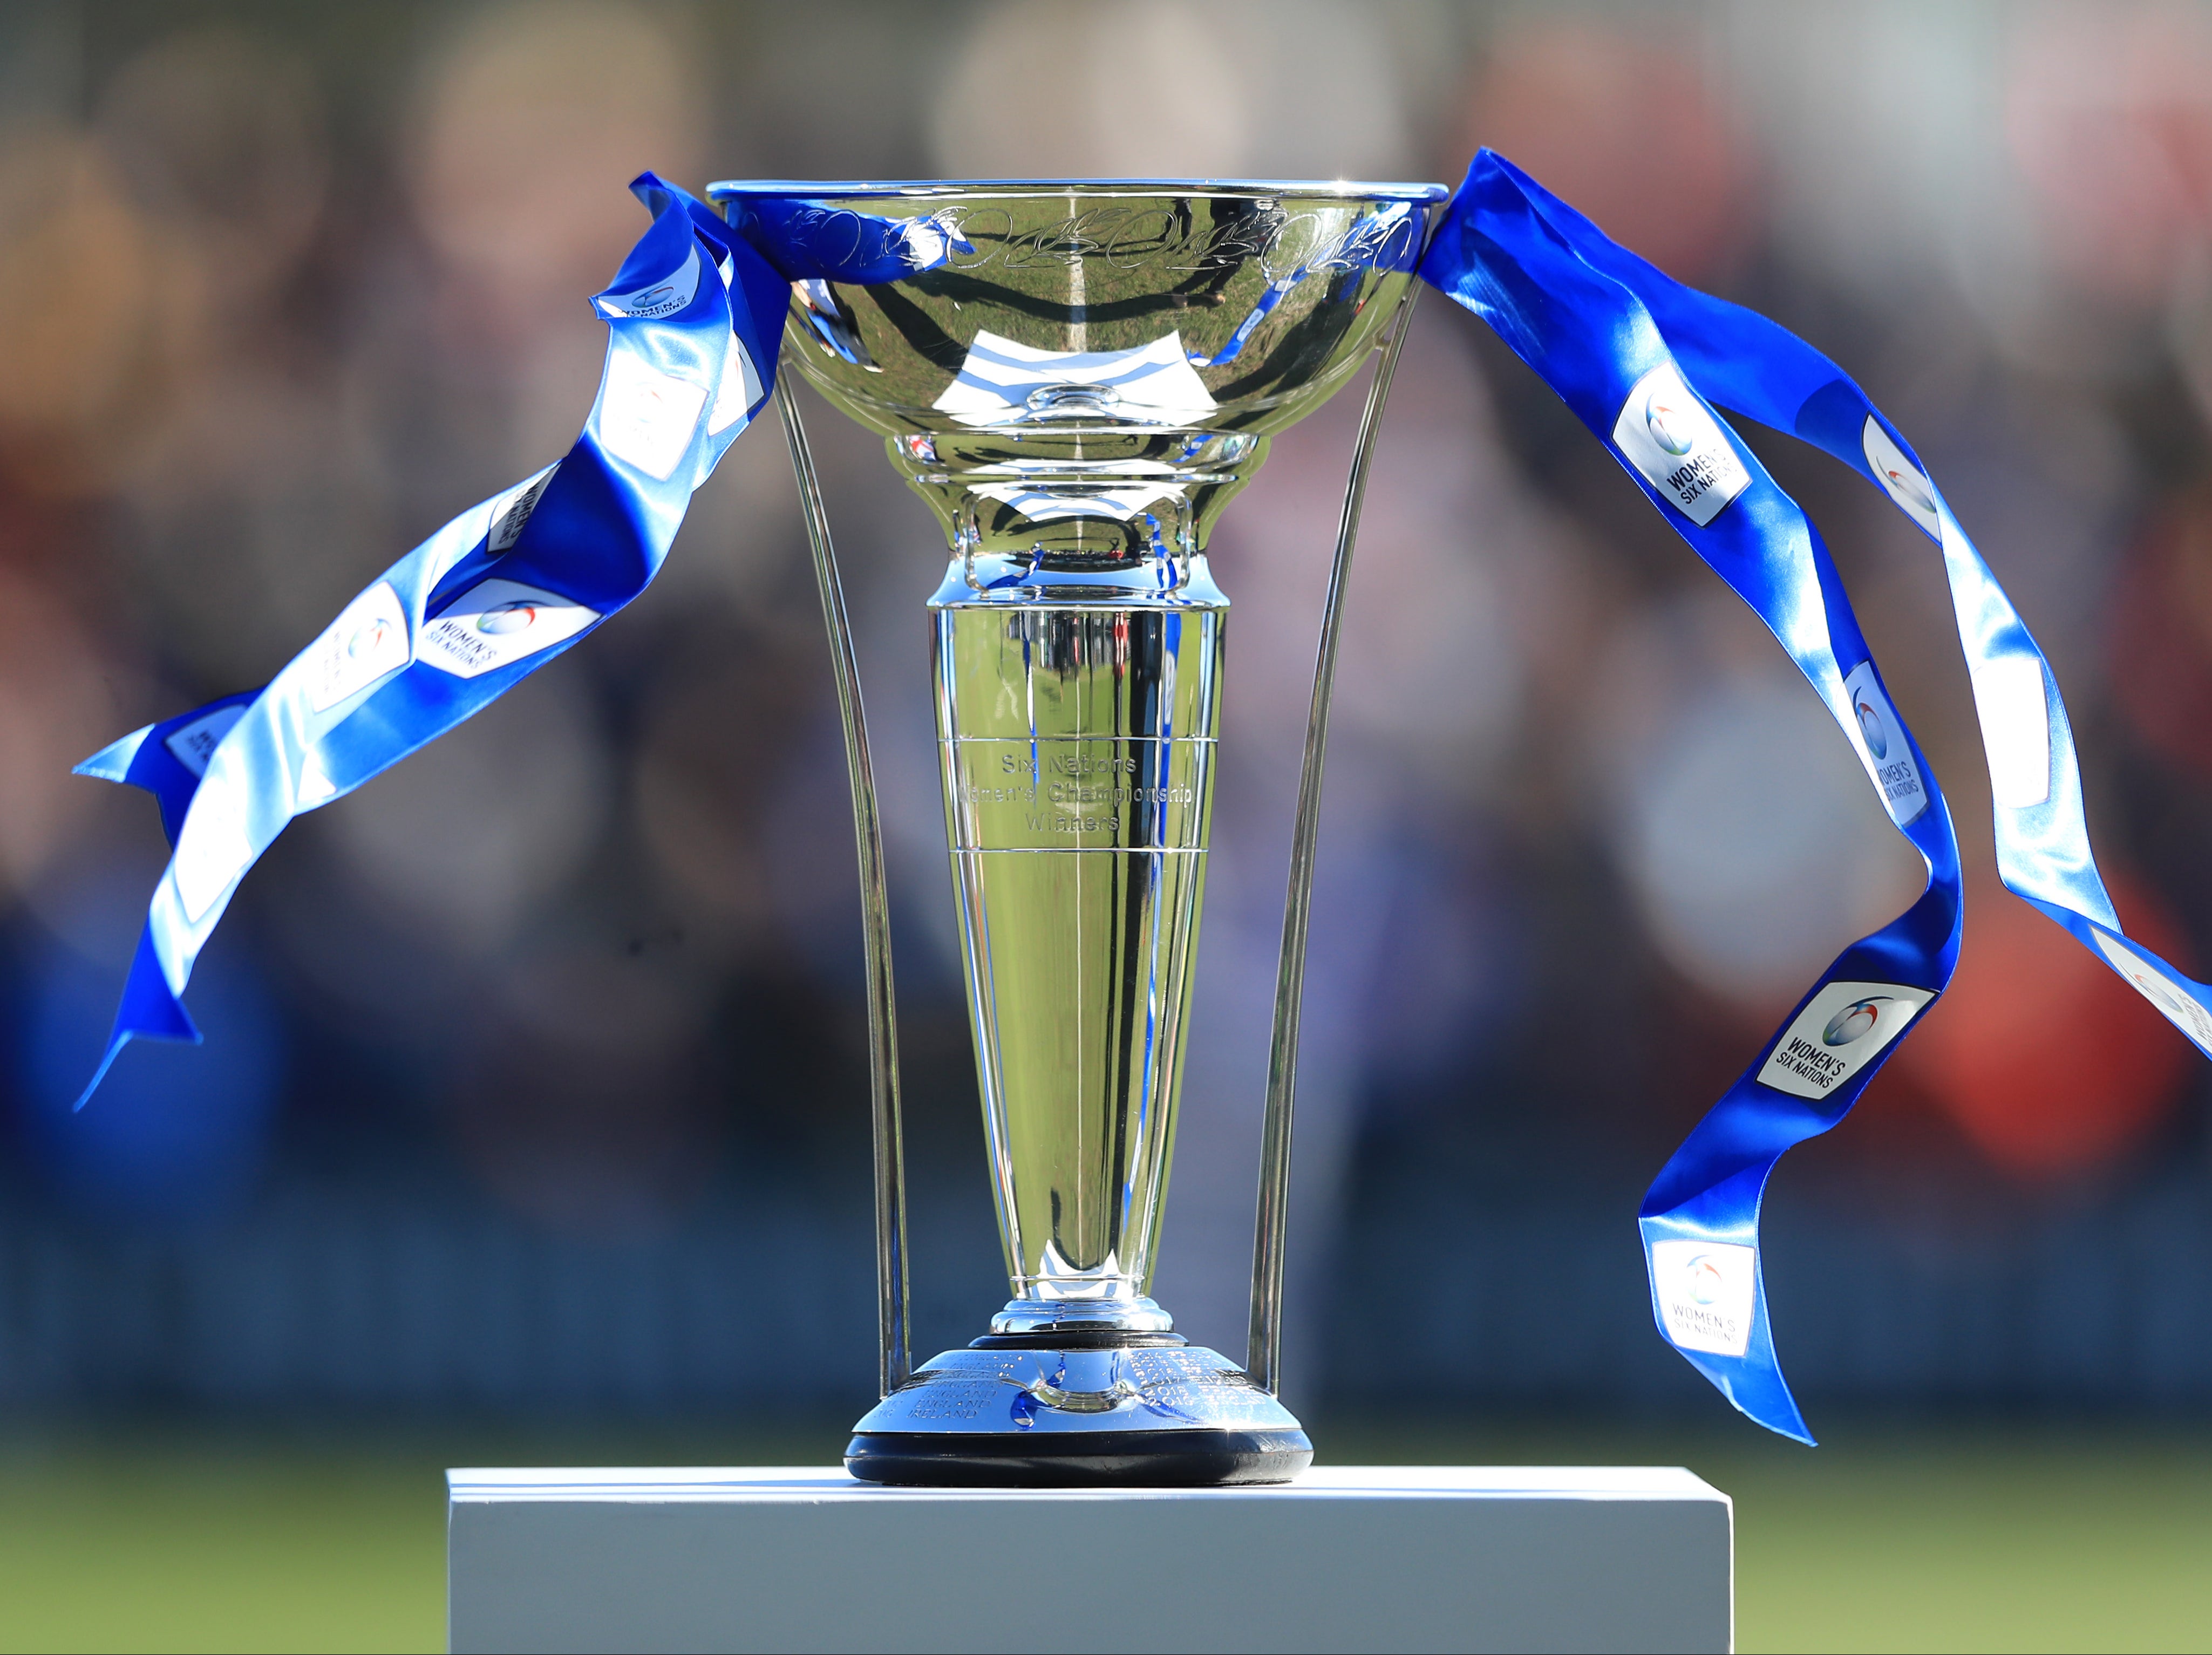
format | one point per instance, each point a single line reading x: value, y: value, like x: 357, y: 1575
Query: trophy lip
x: 911, y: 189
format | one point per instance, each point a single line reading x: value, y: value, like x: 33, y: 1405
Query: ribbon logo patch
x: 367, y: 643
x: 1841, y: 1029
x: 496, y: 623
x: 1664, y: 431
x: 1901, y: 479
x: 1883, y: 749
x: 1705, y: 1290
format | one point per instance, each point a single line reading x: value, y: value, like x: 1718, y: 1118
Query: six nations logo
x: 1840, y: 1030
x: 1855, y: 1021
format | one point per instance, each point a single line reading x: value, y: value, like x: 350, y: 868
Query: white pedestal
x: 1431, y: 1558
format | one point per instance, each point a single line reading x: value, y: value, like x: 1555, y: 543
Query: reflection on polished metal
x: 1078, y: 742
x: 1077, y: 377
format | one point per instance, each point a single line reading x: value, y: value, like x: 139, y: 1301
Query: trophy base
x: 1009, y: 1413
x: 1102, y: 1459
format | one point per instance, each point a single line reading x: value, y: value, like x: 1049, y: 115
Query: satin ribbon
x: 1644, y: 361
x: 694, y: 317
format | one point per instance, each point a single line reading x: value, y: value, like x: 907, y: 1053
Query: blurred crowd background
x: 534, y: 1075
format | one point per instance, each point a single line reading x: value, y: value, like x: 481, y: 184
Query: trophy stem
x: 1078, y: 713
x: 1264, y: 1352
x: 896, y: 1362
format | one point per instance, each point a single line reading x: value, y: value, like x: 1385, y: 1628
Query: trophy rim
x: 924, y: 189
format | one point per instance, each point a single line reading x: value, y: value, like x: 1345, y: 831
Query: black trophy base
x: 1098, y: 1409
x: 1087, y: 1459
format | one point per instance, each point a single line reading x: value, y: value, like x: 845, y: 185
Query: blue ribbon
x: 1643, y: 361
x: 694, y: 317
x: 806, y: 239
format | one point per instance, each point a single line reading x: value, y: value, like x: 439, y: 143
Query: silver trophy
x: 1077, y: 377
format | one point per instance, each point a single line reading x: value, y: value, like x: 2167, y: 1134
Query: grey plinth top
x: 1427, y: 1558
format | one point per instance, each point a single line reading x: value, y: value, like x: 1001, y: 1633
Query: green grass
x: 174, y: 1548
x: 1990, y: 1538
x: 1984, y: 1546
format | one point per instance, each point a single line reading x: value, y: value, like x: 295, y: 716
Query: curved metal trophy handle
x: 1264, y: 1354
x: 897, y: 1359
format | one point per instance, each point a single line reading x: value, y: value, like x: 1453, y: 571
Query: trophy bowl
x: 1077, y: 377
